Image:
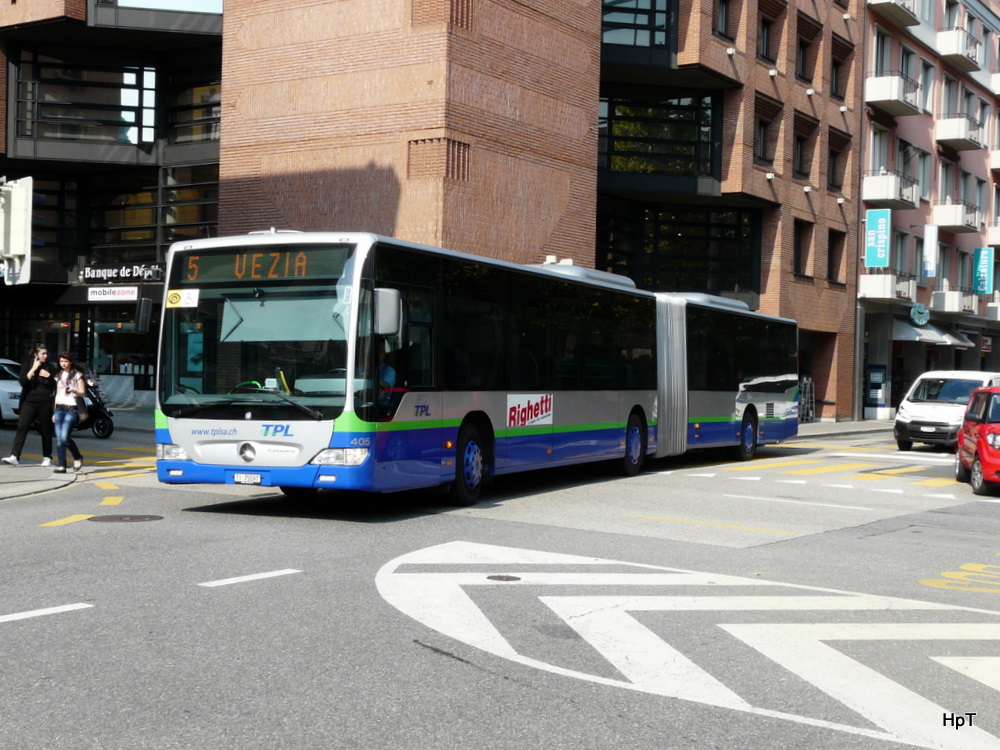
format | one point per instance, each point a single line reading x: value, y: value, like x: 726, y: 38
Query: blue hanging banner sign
x: 877, y: 226
x: 982, y: 281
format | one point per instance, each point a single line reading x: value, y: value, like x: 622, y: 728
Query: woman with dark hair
x: 38, y: 383
x: 70, y: 385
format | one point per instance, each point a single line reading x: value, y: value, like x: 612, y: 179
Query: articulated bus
x: 306, y: 361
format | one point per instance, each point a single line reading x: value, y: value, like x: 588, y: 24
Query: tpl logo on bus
x: 276, y: 430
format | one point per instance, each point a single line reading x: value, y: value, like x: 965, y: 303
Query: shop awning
x: 957, y: 338
x: 904, y: 330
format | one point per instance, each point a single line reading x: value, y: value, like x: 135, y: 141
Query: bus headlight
x: 171, y: 452
x: 341, y: 457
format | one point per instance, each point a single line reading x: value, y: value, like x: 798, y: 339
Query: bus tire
x: 470, y: 466
x: 635, y: 446
x: 747, y: 447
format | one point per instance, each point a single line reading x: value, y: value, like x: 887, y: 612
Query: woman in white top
x: 69, y: 385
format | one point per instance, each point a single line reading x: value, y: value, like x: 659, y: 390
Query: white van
x: 931, y: 412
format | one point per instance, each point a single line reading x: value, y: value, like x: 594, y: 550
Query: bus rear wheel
x: 470, y: 466
x: 635, y: 446
x: 747, y: 447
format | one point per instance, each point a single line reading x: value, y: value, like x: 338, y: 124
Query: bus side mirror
x: 388, y: 312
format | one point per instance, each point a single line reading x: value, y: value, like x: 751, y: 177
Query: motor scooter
x: 98, y: 414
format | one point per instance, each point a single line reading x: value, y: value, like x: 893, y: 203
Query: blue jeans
x: 65, y: 421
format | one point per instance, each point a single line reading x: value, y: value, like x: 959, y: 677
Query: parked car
x: 10, y: 390
x: 977, y: 450
x: 932, y: 410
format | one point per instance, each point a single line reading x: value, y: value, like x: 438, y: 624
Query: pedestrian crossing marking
x: 646, y: 659
x: 882, y: 473
x: 938, y: 482
x: 830, y: 469
x: 984, y: 669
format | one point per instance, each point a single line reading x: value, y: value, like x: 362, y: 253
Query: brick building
x: 693, y: 145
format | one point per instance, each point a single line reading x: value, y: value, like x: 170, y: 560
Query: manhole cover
x: 124, y: 519
x: 502, y: 578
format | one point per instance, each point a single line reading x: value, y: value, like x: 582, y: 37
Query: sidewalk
x: 31, y: 479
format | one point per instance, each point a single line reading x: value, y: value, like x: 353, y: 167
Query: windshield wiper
x: 315, y: 414
x: 187, y: 411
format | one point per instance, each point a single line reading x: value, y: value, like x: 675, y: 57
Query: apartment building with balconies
x: 927, y: 293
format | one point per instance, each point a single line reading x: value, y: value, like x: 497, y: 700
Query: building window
x: 723, y: 9
x: 900, y: 257
x: 804, y: 145
x: 636, y: 23
x: 918, y: 265
x: 927, y: 85
x: 809, y: 31
x: 668, y: 136
x: 194, y: 108
x: 765, y: 41
x: 766, y: 133
x: 839, y: 144
x: 71, y: 99
x: 801, y: 247
x: 680, y: 248
x: 801, y: 160
x: 835, y: 256
x: 841, y: 54
x: 762, y: 137
x: 924, y: 174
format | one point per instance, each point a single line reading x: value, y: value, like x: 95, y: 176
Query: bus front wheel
x: 747, y: 447
x: 470, y: 466
x: 635, y: 446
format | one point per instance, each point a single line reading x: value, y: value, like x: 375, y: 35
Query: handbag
x: 81, y: 408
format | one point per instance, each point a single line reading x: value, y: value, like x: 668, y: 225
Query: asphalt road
x: 831, y: 594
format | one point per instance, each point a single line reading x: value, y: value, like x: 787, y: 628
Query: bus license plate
x: 246, y: 478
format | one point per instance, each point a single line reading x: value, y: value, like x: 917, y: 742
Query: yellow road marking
x: 119, y: 474
x: 939, y: 482
x: 830, y: 469
x: 888, y: 472
x: 709, y: 523
x: 112, y: 500
x: 107, y: 485
x: 64, y: 521
x: 768, y: 465
x: 119, y: 456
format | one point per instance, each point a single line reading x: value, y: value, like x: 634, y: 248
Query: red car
x: 977, y: 450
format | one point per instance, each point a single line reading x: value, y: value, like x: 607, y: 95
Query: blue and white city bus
x: 352, y: 361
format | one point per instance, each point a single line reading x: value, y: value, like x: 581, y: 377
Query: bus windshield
x: 262, y: 331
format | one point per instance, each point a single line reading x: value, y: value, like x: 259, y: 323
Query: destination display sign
x: 261, y: 264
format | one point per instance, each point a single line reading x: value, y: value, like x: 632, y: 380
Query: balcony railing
x: 887, y: 283
x: 960, y: 131
x: 956, y: 216
x: 899, y: 12
x: 958, y: 47
x: 885, y: 189
x: 894, y: 93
